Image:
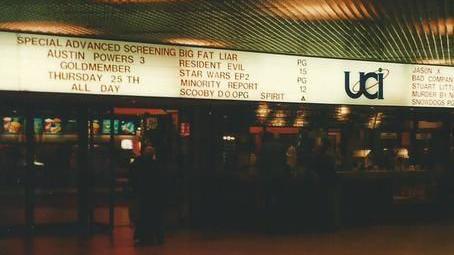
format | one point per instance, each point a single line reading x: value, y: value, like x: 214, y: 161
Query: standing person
x: 324, y: 165
x: 147, y: 185
x: 307, y: 197
x: 272, y: 163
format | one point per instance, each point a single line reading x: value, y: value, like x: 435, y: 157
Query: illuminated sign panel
x: 85, y: 66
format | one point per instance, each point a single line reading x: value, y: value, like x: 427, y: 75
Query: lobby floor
x: 399, y: 240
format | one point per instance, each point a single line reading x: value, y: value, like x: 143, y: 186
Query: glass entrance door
x: 55, y: 172
x: 134, y: 127
x: 12, y: 169
x: 102, y: 128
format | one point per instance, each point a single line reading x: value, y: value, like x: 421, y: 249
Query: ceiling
x: 408, y: 31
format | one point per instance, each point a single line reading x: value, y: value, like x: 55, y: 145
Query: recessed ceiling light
x: 47, y: 27
x: 195, y: 42
x: 320, y: 10
x: 137, y: 1
x: 440, y: 26
x: 435, y: 61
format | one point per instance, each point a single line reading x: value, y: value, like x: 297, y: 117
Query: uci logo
x: 367, y: 81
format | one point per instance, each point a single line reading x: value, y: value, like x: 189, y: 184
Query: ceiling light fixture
x: 320, y: 10
x: 47, y: 27
x: 138, y: 1
x: 442, y: 26
x: 195, y: 42
x: 435, y: 61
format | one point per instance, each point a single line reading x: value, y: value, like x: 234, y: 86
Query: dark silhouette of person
x: 324, y: 165
x: 147, y: 185
x: 306, y: 197
x: 272, y: 164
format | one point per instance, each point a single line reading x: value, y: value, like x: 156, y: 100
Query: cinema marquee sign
x: 40, y: 63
